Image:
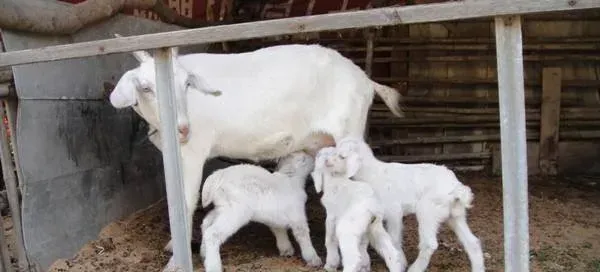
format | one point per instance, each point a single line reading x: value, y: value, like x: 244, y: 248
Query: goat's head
x: 137, y: 89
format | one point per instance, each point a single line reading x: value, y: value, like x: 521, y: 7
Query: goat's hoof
x: 287, y: 252
x: 314, y: 262
x: 169, y: 247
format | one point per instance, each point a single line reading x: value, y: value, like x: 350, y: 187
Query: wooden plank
x: 436, y: 157
x: 531, y: 136
x: 470, y: 47
x: 490, y: 58
x: 549, y: 121
x: 334, y: 21
x: 6, y: 75
x: 585, y: 83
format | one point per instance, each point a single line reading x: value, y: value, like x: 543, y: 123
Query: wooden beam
x: 334, y: 21
x: 490, y: 58
x: 513, y: 144
x: 549, y: 121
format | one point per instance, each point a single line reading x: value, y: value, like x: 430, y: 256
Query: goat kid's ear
x: 142, y: 56
x: 199, y: 84
x: 317, y: 177
x: 353, y: 163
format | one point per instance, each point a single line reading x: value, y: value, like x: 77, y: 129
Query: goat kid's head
x: 336, y: 163
x: 296, y: 164
x: 137, y: 89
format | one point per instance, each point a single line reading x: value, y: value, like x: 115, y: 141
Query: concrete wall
x: 83, y: 163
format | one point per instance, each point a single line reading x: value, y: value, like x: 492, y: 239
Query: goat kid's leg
x: 208, y: 220
x: 225, y: 224
x: 302, y: 234
x: 284, y: 245
x: 365, y: 260
x: 429, y: 218
x: 394, y: 228
x: 469, y: 241
x: 350, y: 232
x: 331, y: 245
x: 383, y: 244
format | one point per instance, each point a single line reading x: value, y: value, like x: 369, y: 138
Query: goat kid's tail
x: 463, y: 198
x: 211, y: 185
x: 391, y: 97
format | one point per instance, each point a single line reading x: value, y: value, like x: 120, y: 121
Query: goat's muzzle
x: 184, y: 132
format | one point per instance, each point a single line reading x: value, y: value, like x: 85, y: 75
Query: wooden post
x: 549, y: 120
x: 10, y: 182
x: 513, y: 145
x: 178, y: 217
x: 369, y: 35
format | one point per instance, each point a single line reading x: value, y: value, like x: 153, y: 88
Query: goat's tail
x: 463, y: 198
x: 211, y: 185
x: 391, y: 97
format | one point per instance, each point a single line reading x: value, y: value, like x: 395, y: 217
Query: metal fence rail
x: 510, y: 81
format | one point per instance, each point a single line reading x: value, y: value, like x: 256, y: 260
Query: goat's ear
x: 199, y: 84
x: 353, y: 163
x: 142, y: 56
x: 317, y: 177
x: 123, y: 94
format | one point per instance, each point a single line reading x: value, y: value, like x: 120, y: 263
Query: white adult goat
x: 270, y: 101
x: 244, y: 193
x: 432, y: 192
x: 354, y: 217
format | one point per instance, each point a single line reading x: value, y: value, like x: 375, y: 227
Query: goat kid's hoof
x: 330, y: 268
x: 288, y: 252
x: 314, y: 262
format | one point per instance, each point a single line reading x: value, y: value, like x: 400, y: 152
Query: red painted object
x: 299, y: 7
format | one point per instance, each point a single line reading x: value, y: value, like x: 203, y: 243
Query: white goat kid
x: 269, y: 101
x: 244, y: 193
x: 430, y: 191
x: 354, y: 217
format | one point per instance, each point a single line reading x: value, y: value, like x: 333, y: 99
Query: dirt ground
x: 564, y: 228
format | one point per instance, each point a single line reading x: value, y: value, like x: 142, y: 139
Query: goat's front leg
x: 192, y: 180
x: 302, y: 234
x: 284, y: 245
x: 331, y: 245
x: 394, y: 228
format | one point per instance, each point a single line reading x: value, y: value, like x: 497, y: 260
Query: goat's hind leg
x: 381, y: 241
x: 429, y: 217
x: 469, y: 241
x: 225, y: 224
x: 208, y: 220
